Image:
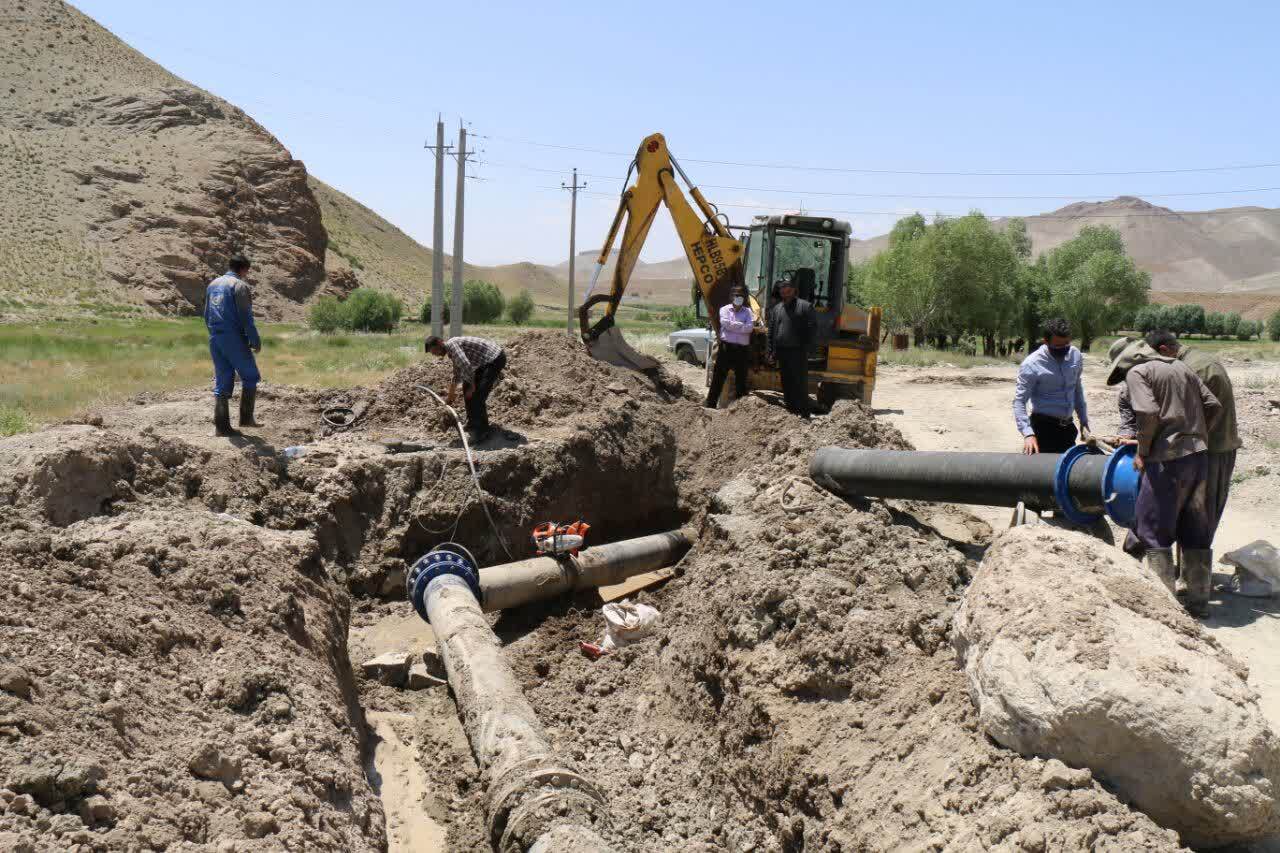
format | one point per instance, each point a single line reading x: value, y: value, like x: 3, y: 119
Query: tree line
x: 1194, y: 320
x: 957, y: 277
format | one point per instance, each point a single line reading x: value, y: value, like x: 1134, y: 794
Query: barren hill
x: 122, y: 183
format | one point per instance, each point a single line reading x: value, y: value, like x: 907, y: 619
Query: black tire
x: 685, y: 353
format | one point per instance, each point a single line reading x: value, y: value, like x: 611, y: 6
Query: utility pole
x: 455, y: 312
x: 573, y: 238
x: 437, y: 237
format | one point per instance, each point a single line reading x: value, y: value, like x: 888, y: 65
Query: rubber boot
x: 222, y: 418
x: 1197, y: 569
x: 248, y: 396
x: 1160, y: 563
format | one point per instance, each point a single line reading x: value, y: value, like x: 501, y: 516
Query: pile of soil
x: 801, y: 693
x: 170, y: 675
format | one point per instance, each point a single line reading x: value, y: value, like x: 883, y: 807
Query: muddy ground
x: 178, y: 649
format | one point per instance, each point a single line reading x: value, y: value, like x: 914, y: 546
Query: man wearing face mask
x: 736, y: 321
x: 1051, y: 380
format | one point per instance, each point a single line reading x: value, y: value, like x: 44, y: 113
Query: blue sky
x: 353, y: 90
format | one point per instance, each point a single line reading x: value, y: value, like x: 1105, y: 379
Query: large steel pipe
x: 535, y: 802
x: 1080, y: 484
x: 540, y: 578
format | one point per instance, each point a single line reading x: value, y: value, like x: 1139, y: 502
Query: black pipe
x: 989, y: 479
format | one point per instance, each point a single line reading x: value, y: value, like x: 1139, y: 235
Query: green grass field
x: 52, y: 370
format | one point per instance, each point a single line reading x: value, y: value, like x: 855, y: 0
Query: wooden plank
x: 634, y: 584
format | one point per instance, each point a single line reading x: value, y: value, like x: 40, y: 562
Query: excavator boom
x: 714, y: 254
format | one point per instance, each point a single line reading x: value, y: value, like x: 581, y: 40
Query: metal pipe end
x: 441, y: 560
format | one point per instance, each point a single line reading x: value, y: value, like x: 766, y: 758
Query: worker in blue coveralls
x: 233, y: 339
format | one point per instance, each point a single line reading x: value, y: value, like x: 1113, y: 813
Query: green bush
x: 325, y: 315
x: 365, y: 310
x: 482, y: 302
x: 1273, y: 326
x: 520, y: 309
x: 683, y: 318
x: 425, y: 314
x: 644, y: 317
x: 368, y: 310
x: 13, y: 420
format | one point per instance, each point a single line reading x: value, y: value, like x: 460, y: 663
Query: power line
x: 986, y: 173
x: 1074, y: 197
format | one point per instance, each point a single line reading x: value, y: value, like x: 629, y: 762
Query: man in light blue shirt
x: 1051, y: 380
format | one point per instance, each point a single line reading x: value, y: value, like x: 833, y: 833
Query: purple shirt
x: 735, y: 324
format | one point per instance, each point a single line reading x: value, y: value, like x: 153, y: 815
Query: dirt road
x: 954, y: 409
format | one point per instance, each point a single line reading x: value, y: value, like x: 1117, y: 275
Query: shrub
x: 683, y: 318
x: 425, y: 314
x: 325, y: 314
x: 368, y: 310
x: 520, y: 309
x: 1273, y: 326
x: 482, y: 302
x: 644, y: 317
x: 13, y: 420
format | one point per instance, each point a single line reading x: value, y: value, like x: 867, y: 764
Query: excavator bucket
x: 611, y: 348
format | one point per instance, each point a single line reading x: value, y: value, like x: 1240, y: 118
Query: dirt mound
x: 176, y: 677
x: 801, y: 694
x: 550, y: 380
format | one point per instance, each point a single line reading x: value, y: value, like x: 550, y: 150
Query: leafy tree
x: 1094, y: 283
x: 1249, y: 329
x: 1231, y: 324
x: 482, y: 302
x: 977, y: 269
x: 1015, y: 231
x: 1213, y: 324
x: 1147, y: 319
x: 1273, y: 326
x: 520, y: 309
x: 325, y: 314
x: 855, y: 284
x: 1189, y: 319
x: 425, y: 314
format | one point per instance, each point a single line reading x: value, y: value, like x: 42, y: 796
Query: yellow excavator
x: 812, y: 251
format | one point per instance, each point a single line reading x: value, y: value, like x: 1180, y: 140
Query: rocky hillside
x: 121, y: 183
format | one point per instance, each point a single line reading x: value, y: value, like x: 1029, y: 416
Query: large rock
x: 1073, y: 651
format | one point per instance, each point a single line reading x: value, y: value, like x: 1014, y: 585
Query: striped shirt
x: 468, y: 355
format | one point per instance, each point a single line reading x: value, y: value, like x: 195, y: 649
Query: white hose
x: 457, y: 422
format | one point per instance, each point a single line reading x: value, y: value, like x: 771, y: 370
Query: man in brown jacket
x: 1171, y: 411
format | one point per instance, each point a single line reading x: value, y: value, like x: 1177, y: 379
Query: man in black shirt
x: 791, y: 329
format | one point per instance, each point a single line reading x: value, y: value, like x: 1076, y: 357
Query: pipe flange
x: 435, y: 563
x: 1062, y: 491
x: 1120, y: 484
x: 528, y: 790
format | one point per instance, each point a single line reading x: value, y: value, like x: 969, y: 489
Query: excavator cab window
x: 811, y: 261
x: 755, y: 269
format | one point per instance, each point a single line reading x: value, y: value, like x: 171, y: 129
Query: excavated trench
x: 178, y: 648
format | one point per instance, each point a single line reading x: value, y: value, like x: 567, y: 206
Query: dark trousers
x: 485, y: 378
x: 1171, y: 507
x: 729, y: 357
x: 1217, y: 485
x: 793, y: 369
x: 1053, y: 434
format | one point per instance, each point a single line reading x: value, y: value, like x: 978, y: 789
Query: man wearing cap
x: 792, y: 325
x: 1051, y: 379
x: 1169, y: 405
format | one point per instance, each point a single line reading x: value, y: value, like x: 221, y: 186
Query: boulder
x: 1072, y: 651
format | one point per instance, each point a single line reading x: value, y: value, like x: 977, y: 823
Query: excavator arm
x: 714, y: 254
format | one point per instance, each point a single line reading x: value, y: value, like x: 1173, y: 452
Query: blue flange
x: 1061, y: 492
x: 1120, y: 483
x: 445, y: 559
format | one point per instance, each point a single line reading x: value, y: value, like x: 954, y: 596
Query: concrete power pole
x: 573, y: 238
x: 455, y: 312
x: 437, y: 237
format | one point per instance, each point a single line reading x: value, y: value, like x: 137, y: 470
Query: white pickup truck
x: 690, y: 345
